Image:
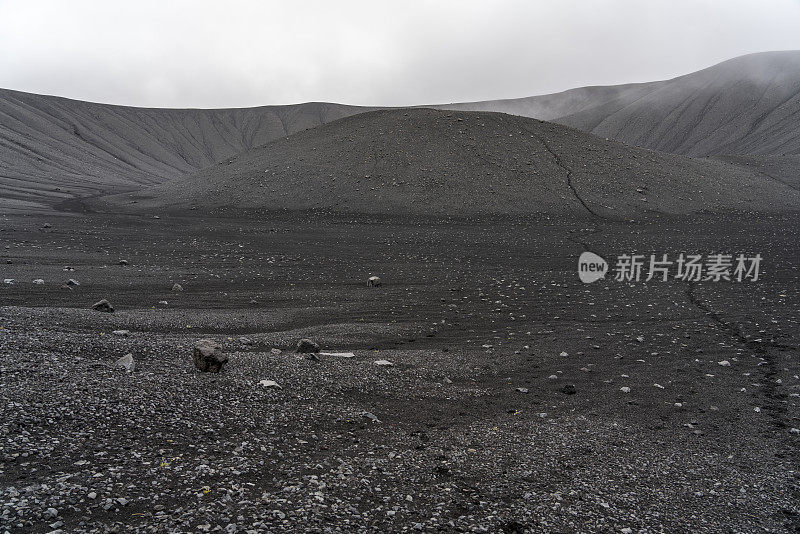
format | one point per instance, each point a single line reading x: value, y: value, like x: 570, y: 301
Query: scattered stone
x: 269, y: 384
x: 522, y: 390
x: 563, y: 354
x: 625, y: 389
x: 47, y: 225
x: 245, y: 340
x: 9, y: 281
x: 123, y: 262
x: 371, y: 416
x: 569, y: 389
x: 126, y: 362
x: 73, y: 282
x: 121, y: 333
x: 276, y: 352
x: 38, y: 281
x: 103, y: 306
x: 162, y: 302
x: 724, y: 363
x: 374, y: 281
x: 177, y: 287
x: 208, y: 356
x: 306, y: 346
x: 384, y: 363
x: 338, y: 354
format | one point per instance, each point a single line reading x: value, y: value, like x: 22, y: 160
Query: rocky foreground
x: 480, y: 388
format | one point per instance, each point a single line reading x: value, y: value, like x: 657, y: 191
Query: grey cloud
x: 203, y: 54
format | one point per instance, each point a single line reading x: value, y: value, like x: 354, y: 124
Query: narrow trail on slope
x: 776, y: 410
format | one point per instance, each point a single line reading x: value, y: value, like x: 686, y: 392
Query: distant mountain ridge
x: 749, y: 105
x: 53, y: 148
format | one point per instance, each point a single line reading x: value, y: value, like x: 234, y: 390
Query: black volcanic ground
x: 519, y: 399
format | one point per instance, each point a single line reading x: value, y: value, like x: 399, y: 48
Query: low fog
x: 203, y: 54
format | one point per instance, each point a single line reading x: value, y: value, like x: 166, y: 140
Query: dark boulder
x: 103, y: 306
x: 306, y: 346
x: 208, y: 356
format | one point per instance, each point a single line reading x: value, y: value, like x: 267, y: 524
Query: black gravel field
x: 519, y: 399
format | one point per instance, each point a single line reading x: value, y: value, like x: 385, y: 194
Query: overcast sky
x: 194, y: 53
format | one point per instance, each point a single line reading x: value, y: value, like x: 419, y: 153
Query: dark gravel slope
x: 747, y: 105
x: 54, y: 148
x: 432, y: 162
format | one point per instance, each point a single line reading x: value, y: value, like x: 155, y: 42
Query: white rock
x: 269, y: 384
x: 38, y: 281
x: 563, y: 354
x: 659, y: 386
x: 126, y: 362
x: 9, y: 281
x: 724, y: 363
x: 384, y: 363
x: 338, y: 354
x: 122, y: 333
x: 625, y: 389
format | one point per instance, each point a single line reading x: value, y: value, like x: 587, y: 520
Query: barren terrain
x: 469, y: 311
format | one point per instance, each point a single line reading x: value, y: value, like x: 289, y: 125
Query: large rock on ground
x: 208, y: 356
x: 306, y: 346
x: 127, y: 363
x: 103, y: 306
